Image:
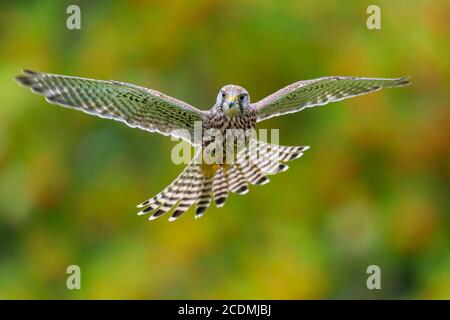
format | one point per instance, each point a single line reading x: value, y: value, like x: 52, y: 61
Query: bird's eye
x: 223, y: 94
x: 241, y: 97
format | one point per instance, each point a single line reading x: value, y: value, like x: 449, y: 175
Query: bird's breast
x: 224, y: 122
x: 227, y: 132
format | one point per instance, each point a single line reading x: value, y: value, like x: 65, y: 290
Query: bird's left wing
x: 317, y: 92
x: 136, y: 106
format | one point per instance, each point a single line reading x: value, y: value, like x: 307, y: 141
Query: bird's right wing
x: 136, y: 106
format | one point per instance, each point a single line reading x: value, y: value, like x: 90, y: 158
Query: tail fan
x: 198, y: 184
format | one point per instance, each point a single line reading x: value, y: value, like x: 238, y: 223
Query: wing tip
x: 403, y: 81
x: 30, y: 72
x: 23, y: 80
x: 26, y: 77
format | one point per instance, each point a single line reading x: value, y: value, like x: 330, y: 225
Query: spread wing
x: 320, y: 91
x: 136, y: 106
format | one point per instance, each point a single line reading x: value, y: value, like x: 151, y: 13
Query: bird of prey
x: 200, y: 183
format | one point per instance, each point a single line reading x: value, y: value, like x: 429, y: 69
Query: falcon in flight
x: 200, y: 183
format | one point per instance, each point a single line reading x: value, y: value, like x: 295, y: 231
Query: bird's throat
x: 234, y: 111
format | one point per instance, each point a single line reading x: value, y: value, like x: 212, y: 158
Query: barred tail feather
x: 204, y: 200
x: 236, y: 180
x: 250, y: 170
x: 280, y: 153
x: 189, y: 194
x: 253, y: 174
x: 220, y: 188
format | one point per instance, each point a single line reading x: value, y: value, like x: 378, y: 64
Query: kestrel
x: 151, y: 110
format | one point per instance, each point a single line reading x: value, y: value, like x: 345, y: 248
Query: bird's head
x: 233, y: 100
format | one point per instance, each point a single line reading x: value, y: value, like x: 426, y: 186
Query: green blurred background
x: 373, y: 189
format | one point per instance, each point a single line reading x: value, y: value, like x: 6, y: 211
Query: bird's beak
x: 232, y: 105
